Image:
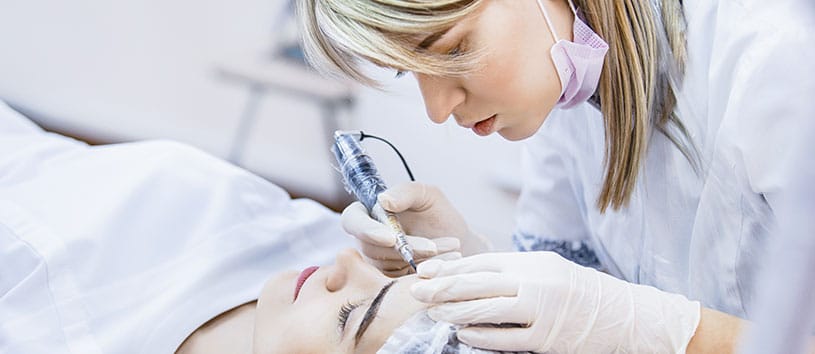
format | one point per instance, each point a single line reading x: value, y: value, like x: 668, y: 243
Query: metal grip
x: 362, y: 179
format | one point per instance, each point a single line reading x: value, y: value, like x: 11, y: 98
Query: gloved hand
x: 434, y: 227
x: 559, y: 306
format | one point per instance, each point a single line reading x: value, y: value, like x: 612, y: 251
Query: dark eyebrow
x: 371, y: 313
x: 427, y: 42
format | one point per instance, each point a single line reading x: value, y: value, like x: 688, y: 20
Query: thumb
x: 409, y: 196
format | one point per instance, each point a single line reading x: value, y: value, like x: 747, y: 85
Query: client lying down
x: 156, y: 247
x: 347, y: 307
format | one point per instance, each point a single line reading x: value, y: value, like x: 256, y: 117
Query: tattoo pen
x: 362, y: 179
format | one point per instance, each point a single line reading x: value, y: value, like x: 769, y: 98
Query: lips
x: 484, y: 127
x: 301, y: 279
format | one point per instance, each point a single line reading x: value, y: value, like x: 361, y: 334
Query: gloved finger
x: 390, y: 265
x: 443, y: 245
x: 357, y: 222
x: 512, y: 339
x: 464, y: 287
x: 495, y: 310
x: 448, y: 256
x: 398, y: 272
x: 409, y: 196
x: 399, y: 264
x: 423, y: 248
x: 395, y: 265
x: 446, y: 244
x: 484, y: 262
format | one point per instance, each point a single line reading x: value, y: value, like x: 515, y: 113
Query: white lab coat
x: 129, y: 248
x: 750, y: 81
x: 785, y: 308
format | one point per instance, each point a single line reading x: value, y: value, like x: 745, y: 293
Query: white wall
x: 129, y: 70
x: 143, y: 68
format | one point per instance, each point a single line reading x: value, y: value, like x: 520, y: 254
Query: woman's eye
x: 399, y: 73
x: 345, y: 312
x: 459, y: 48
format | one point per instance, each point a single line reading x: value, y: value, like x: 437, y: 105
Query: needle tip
x: 412, y: 264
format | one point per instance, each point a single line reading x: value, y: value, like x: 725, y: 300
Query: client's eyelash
x: 399, y: 73
x: 345, y: 311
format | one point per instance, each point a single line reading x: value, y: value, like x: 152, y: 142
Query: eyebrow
x: 372, y: 311
x: 433, y: 38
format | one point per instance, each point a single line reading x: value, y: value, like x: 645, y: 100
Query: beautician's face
x: 517, y: 83
x: 312, y: 324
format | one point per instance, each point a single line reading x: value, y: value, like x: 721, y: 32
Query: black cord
x: 362, y: 136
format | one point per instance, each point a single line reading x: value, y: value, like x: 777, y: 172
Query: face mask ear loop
x: 549, y: 21
x: 574, y: 11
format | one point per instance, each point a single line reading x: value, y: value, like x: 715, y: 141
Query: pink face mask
x: 579, y: 62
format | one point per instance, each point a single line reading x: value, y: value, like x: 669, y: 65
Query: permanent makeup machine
x: 362, y: 179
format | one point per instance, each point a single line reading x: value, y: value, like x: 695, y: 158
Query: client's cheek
x: 273, y: 306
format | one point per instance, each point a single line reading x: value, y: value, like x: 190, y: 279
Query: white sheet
x: 130, y: 247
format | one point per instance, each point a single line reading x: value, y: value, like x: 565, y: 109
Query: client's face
x: 346, y: 307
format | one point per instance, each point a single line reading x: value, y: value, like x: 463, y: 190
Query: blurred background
x: 228, y: 77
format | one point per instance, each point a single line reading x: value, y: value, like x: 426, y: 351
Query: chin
x: 516, y: 135
x: 521, y: 131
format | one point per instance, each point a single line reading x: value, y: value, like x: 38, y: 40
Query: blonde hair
x: 338, y: 33
x: 637, y: 90
x: 641, y: 73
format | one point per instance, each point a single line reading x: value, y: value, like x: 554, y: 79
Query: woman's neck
x: 229, y: 332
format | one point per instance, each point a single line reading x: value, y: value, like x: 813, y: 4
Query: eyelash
x: 458, y: 50
x: 345, y: 311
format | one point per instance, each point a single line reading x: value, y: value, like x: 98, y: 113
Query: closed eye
x: 345, y: 312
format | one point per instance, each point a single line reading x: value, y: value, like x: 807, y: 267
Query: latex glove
x: 561, y: 307
x: 434, y: 227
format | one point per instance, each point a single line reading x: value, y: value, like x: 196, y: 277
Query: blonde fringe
x: 337, y: 33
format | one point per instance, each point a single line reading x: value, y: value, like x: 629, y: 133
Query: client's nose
x: 347, y: 261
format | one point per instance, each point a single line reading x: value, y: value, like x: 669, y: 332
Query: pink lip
x: 460, y: 122
x: 485, y: 127
x: 301, y: 279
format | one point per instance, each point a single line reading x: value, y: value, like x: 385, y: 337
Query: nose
x: 441, y: 96
x: 349, y: 263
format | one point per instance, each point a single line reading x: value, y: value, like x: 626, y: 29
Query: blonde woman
x: 655, y: 133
